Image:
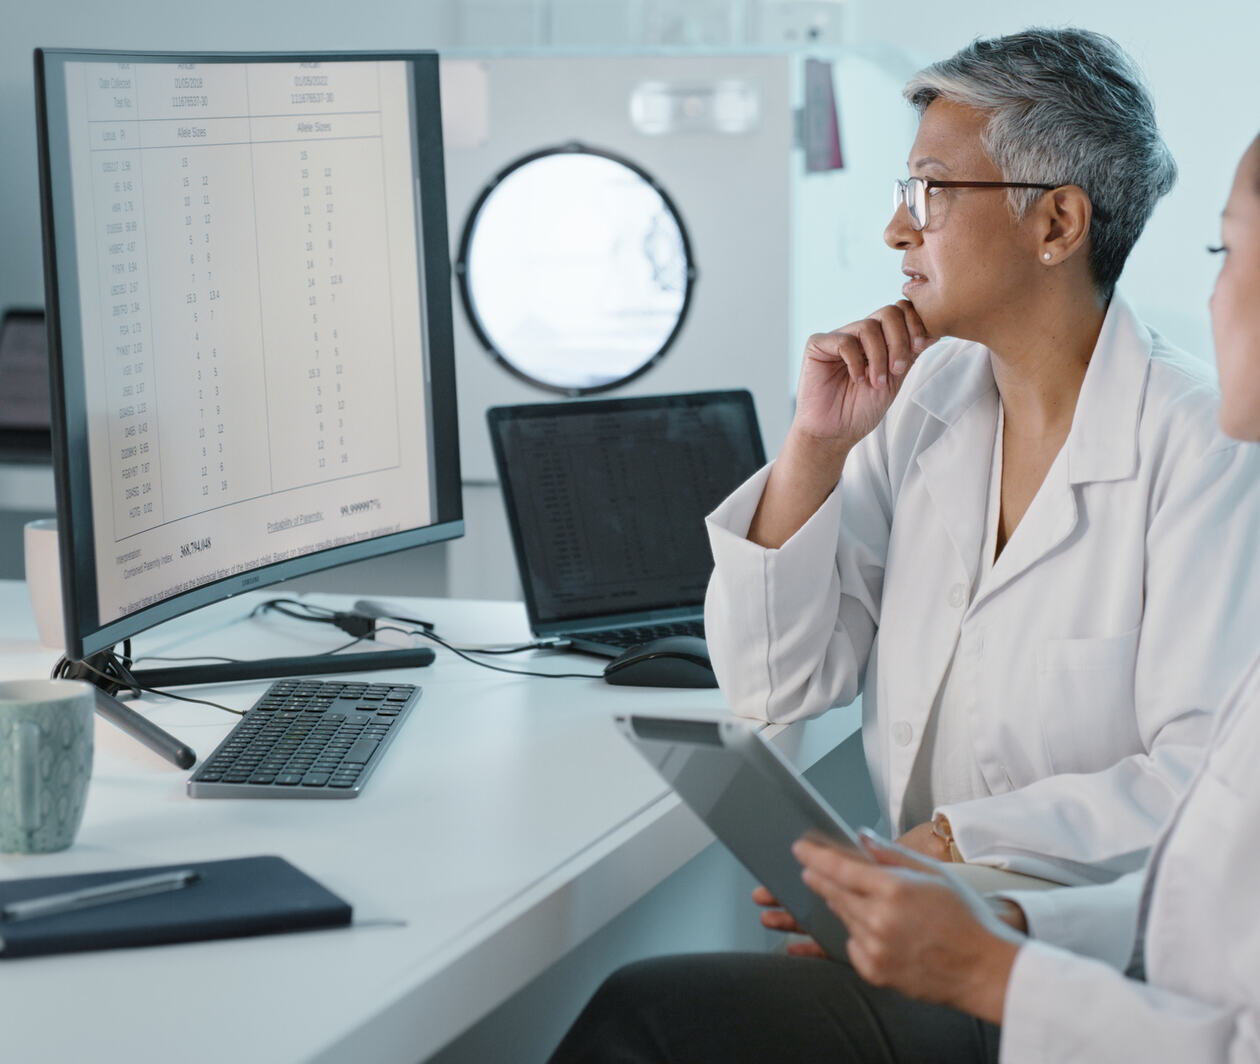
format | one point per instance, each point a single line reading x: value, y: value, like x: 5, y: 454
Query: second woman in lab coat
x: 1019, y: 545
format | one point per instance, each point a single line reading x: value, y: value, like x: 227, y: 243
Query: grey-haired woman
x: 998, y: 538
x: 1021, y: 545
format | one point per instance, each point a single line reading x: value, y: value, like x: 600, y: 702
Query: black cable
x: 504, y: 650
x: 324, y: 615
x: 235, y: 661
x: 194, y: 657
x: 198, y: 701
x: 314, y: 612
x: 354, y: 624
x: 115, y: 670
x: 118, y: 670
x: 347, y: 622
x: 485, y: 664
x: 118, y: 676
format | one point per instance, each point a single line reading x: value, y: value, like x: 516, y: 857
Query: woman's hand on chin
x: 850, y: 376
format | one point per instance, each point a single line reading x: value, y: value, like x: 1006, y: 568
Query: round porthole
x: 575, y: 269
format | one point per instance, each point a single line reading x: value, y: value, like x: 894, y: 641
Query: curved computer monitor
x: 249, y: 320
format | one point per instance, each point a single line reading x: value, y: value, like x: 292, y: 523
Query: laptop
x: 606, y: 501
x: 25, y: 409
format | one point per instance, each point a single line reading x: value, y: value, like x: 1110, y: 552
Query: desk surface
x: 507, y: 823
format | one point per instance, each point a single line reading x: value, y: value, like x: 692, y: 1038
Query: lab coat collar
x: 955, y: 384
x: 955, y: 473
x: 961, y: 393
x: 1103, y: 441
x: 1101, y: 444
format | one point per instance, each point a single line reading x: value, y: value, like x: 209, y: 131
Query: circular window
x: 575, y: 269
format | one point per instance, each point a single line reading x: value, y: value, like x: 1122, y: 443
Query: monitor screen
x: 248, y: 297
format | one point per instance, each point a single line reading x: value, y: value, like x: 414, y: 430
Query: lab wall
x: 767, y: 239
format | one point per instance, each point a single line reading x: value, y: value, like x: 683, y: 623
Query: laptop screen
x: 607, y: 498
x: 25, y: 409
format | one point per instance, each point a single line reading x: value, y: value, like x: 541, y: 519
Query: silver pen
x: 121, y: 890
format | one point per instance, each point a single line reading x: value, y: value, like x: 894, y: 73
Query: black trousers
x: 726, y: 1008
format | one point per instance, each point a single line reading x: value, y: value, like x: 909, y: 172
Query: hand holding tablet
x: 754, y: 800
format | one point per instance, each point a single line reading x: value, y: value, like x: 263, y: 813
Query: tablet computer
x: 753, y: 800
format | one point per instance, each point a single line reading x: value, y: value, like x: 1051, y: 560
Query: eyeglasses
x: 913, y: 192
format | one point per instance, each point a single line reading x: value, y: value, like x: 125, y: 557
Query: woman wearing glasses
x: 1057, y: 466
x: 1018, y: 544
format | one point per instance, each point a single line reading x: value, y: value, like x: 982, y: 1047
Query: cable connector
x: 355, y: 624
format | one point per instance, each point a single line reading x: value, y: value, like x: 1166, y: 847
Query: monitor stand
x: 110, y: 674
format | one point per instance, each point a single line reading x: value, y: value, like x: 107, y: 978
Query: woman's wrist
x: 805, y: 473
x: 818, y: 458
x: 984, y: 994
x: 942, y: 830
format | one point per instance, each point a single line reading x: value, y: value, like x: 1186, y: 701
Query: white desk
x: 507, y: 823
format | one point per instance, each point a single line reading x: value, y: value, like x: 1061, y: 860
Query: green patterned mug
x: 45, y: 762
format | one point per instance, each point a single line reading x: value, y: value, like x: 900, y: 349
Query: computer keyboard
x: 306, y: 739
x: 636, y: 634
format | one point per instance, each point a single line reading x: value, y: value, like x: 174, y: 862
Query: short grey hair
x: 1066, y: 107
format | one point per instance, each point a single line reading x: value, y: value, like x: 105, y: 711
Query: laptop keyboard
x: 306, y: 739
x: 633, y: 636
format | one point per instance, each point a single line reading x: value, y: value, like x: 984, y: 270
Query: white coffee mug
x: 45, y: 762
x: 43, y: 580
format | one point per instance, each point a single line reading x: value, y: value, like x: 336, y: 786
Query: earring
x: 1046, y: 255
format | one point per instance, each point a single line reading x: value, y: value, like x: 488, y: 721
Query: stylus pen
x: 123, y: 890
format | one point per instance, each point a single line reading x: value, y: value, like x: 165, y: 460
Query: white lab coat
x: 1200, y: 1002
x: 1111, y: 625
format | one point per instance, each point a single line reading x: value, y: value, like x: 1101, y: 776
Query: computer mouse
x: 671, y: 661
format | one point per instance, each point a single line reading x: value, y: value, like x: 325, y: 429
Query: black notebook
x: 223, y: 899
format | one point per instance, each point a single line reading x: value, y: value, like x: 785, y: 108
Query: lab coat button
x: 902, y: 733
x: 958, y: 595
